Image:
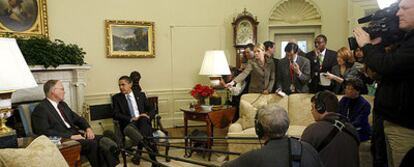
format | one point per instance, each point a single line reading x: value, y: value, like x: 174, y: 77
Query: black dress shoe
x: 136, y: 160
x: 155, y: 165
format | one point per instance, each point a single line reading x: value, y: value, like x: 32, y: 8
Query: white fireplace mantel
x: 72, y: 77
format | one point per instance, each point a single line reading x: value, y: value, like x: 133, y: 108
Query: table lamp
x: 14, y: 74
x: 214, y: 65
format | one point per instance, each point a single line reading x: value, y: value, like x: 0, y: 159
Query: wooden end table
x: 220, y: 117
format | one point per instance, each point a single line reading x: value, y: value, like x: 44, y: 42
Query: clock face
x: 244, y: 33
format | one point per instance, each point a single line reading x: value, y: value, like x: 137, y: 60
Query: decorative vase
x: 201, y: 100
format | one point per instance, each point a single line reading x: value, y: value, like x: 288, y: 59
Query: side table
x: 220, y: 117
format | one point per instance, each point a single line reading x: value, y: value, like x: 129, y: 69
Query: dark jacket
x: 342, y: 151
x: 46, y: 120
x: 276, y: 153
x: 350, y: 72
x: 357, y: 111
x: 394, y: 95
x: 300, y: 82
x: 328, y: 62
x: 121, y: 110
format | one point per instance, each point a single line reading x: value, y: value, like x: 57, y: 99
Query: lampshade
x: 385, y: 3
x: 14, y: 72
x: 215, y: 64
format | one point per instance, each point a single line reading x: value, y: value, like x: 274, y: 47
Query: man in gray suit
x: 293, y: 71
x: 271, y: 125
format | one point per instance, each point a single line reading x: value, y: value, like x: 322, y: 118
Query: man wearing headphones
x: 332, y: 135
x: 271, y: 125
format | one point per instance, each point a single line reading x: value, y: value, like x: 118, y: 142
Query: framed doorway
x: 304, y: 40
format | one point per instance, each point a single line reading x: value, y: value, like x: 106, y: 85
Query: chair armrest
x: 235, y: 127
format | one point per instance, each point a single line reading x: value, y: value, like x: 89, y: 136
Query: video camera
x: 384, y: 23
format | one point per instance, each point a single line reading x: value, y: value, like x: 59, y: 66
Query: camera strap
x: 339, y: 126
x: 295, y: 152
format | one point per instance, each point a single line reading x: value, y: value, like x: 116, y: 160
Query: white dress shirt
x: 55, y: 105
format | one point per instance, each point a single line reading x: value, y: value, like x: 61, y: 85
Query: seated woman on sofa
x: 356, y: 108
x: 261, y: 70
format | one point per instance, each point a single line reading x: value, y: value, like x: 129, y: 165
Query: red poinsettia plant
x: 200, y: 91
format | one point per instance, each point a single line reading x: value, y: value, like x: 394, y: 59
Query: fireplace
x: 72, y: 77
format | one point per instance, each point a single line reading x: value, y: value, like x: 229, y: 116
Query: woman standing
x: 261, y: 71
x: 343, y: 70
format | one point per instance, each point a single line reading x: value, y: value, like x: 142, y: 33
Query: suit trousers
x: 97, y: 155
x: 144, y: 126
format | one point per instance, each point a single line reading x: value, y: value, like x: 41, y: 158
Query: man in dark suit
x: 293, y: 71
x: 270, y: 50
x: 321, y: 61
x: 131, y: 106
x: 53, y: 117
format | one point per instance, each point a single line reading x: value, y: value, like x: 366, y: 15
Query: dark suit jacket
x: 300, y: 82
x: 46, y: 120
x: 121, y: 110
x: 328, y: 62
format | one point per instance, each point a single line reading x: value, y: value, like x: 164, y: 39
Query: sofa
x: 298, y: 107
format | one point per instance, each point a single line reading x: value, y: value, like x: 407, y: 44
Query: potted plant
x: 43, y: 51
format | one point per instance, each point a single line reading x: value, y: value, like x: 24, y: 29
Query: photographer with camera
x: 392, y: 99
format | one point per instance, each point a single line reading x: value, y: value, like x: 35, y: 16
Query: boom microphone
x: 133, y: 133
x: 108, y: 144
x: 111, y: 135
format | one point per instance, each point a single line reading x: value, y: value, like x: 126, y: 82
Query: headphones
x: 258, y: 127
x: 319, y: 104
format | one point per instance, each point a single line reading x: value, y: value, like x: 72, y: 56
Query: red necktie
x: 291, y: 72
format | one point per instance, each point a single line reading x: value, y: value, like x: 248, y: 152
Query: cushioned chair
x: 25, y: 112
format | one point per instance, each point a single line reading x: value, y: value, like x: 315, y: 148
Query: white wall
x: 184, y: 29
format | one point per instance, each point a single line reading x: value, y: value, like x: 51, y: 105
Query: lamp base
x: 5, y: 110
x: 3, y: 127
x: 8, y: 140
x: 215, y: 82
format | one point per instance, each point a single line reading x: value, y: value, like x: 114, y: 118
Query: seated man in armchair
x: 131, y: 106
x: 53, y: 117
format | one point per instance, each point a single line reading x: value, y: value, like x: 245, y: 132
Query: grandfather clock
x: 245, y: 32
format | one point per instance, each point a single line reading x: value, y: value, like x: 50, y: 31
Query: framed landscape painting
x: 23, y: 18
x: 129, y: 39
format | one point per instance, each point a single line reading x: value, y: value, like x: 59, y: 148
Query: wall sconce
x: 14, y: 75
x: 215, y: 65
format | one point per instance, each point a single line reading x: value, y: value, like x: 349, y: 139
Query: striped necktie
x: 131, y: 108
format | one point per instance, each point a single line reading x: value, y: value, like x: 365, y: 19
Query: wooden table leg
x: 210, y: 139
x: 186, y: 135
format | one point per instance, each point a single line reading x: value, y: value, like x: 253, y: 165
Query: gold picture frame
x: 23, y: 18
x: 129, y: 39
